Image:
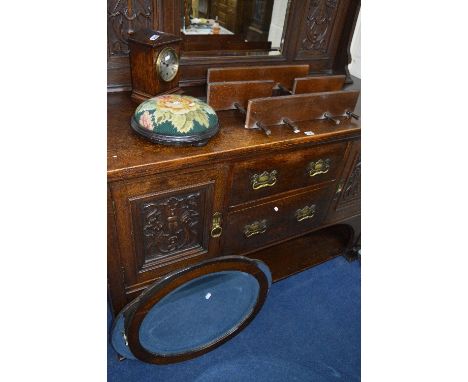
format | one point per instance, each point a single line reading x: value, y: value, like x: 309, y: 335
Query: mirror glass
x: 199, y: 313
x: 225, y: 27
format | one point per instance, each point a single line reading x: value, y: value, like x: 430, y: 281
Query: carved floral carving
x: 170, y: 225
x: 123, y: 18
x: 352, y: 188
x: 320, y: 19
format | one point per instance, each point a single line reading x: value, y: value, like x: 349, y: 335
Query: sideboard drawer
x: 256, y: 179
x: 262, y: 224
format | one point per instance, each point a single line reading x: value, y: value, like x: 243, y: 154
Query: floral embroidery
x: 145, y: 121
x: 176, y: 104
x: 180, y: 111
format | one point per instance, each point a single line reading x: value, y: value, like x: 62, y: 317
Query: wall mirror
x: 233, y: 27
x: 251, y: 32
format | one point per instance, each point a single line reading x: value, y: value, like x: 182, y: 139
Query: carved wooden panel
x: 317, y: 32
x: 347, y: 199
x: 320, y: 29
x: 320, y: 19
x: 170, y: 226
x: 123, y: 18
x: 163, y: 222
x: 352, y: 187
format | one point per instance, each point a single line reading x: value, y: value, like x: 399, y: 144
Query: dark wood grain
x: 147, y: 256
x: 299, y: 107
x: 291, y: 172
x: 146, y: 82
x: 223, y: 95
x: 283, y: 74
x: 143, y: 176
x: 328, y: 53
x: 201, y: 44
x: 115, y: 279
x: 124, y: 17
x: 347, y: 199
x: 162, y: 200
x: 305, y: 251
x: 343, y: 51
x: 279, y: 218
x: 318, y: 84
x: 129, y: 155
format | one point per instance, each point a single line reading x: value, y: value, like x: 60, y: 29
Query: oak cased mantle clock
x: 154, y: 63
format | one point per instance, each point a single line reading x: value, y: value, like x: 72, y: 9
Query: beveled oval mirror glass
x: 233, y: 27
x: 199, y: 313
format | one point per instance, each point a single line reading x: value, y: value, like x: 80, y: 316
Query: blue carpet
x: 308, y: 330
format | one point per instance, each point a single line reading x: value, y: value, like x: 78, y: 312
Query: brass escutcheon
x: 265, y: 179
x: 255, y: 228
x: 216, y: 229
x: 319, y: 167
x: 307, y: 212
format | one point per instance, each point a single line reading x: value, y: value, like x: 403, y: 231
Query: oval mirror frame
x: 128, y: 323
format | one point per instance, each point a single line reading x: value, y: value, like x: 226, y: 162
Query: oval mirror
x: 192, y: 311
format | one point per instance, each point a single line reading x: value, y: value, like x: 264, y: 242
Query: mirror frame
x: 258, y: 47
x: 135, y: 312
x: 324, y: 45
x: 333, y: 59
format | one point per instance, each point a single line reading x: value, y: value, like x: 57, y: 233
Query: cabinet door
x: 165, y: 222
x: 347, y: 200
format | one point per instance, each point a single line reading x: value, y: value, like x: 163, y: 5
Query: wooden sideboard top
x: 129, y: 155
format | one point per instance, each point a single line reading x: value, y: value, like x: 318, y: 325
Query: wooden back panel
x: 299, y: 107
x: 221, y: 42
x: 223, y: 95
x: 283, y: 74
x: 318, y: 84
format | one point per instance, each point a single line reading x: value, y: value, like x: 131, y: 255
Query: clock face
x: 167, y: 64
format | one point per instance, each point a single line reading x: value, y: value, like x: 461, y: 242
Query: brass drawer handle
x: 216, y: 229
x: 265, y: 179
x: 307, y: 212
x: 255, y: 228
x: 319, y: 167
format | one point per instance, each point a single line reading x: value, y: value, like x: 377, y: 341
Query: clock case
x: 144, y: 53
